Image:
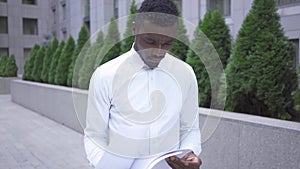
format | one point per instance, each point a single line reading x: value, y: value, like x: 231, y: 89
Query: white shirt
x: 113, y: 128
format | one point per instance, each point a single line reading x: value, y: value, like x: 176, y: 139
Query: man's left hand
x: 189, y: 161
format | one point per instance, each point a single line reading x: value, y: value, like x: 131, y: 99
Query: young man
x: 145, y: 102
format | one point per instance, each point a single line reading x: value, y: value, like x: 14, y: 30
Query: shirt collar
x: 137, y: 60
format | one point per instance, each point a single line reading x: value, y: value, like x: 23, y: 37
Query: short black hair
x: 154, y: 11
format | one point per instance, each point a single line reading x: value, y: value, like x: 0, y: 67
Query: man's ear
x: 133, y: 28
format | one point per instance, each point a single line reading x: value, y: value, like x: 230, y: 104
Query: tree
x: 87, y: 68
x: 126, y: 44
x: 78, y: 61
x: 3, y: 62
x: 38, y: 65
x: 111, y: 48
x: 181, y: 43
x: 61, y: 75
x: 47, y: 60
x: 11, y: 68
x: 29, y: 63
x: 218, y: 37
x: 54, y: 62
x: 260, y: 74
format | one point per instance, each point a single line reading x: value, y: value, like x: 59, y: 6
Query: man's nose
x: 159, y: 51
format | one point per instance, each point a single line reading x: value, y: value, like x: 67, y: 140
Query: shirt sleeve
x: 190, y: 135
x: 96, y: 130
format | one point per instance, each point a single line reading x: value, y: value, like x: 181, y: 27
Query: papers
x: 159, y: 162
x: 112, y: 161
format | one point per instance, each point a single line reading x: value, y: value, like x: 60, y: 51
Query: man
x: 144, y: 102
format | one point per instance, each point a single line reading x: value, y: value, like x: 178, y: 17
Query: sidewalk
x: 29, y: 140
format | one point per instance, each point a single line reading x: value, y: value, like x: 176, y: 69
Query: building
x: 22, y: 24
x: 67, y: 17
x: 234, y: 12
x: 26, y: 22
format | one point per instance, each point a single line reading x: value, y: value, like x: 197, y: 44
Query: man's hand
x: 189, y: 161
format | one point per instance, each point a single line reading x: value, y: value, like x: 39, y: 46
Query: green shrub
x: 260, y: 74
x: 61, y: 75
x: 11, y: 69
x: 111, y: 48
x: 54, y: 63
x: 181, y: 43
x: 3, y: 62
x: 126, y: 44
x: 73, y: 72
x: 47, y: 60
x: 217, y: 32
x: 87, y: 68
x: 29, y: 63
x: 38, y: 64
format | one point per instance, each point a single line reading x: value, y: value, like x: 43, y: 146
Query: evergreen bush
x: 11, y: 68
x: 38, y: 64
x: 3, y: 62
x: 73, y: 72
x: 47, y: 60
x: 54, y: 63
x: 126, y: 44
x: 260, y: 74
x: 87, y: 68
x: 211, y: 33
x: 61, y: 74
x: 29, y: 63
x: 112, y: 45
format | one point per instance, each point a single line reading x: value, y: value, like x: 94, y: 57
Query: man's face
x: 152, y: 41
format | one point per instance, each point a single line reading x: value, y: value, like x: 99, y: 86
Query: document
x: 113, y: 161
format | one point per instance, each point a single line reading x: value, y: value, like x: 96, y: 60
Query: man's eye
x: 149, y: 41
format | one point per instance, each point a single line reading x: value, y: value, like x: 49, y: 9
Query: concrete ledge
x: 5, y: 84
x: 250, y: 142
x: 54, y: 102
x: 240, y: 141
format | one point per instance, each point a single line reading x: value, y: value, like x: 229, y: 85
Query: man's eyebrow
x: 170, y: 41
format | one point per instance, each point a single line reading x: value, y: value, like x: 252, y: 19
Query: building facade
x: 26, y: 22
x: 22, y: 24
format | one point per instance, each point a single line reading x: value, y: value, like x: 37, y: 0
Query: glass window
x: 29, y: 2
x: 116, y: 9
x: 54, y: 15
x: 64, y: 11
x: 3, y: 51
x: 286, y: 2
x: 30, y: 26
x: 4, y: 24
x: 223, y: 5
x: 296, y: 43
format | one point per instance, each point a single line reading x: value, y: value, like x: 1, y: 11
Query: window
x: 3, y: 1
x: 3, y: 51
x: 286, y: 2
x: 87, y: 8
x: 64, y: 32
x: 54, y: 15
x: 223, y: 5
x: 64, y: 11
x: 296, y: 43
x: 29, y: 2
x: 116, y: 9
x: 30, y: 26
x: 4, y: 25
x: 26, y: 52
